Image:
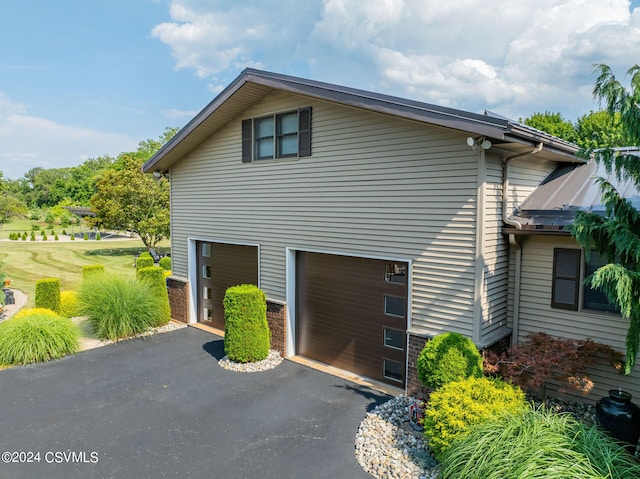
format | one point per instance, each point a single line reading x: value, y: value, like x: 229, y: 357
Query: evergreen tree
x: 617, y: 233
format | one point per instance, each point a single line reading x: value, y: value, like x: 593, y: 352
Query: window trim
x: 303, y: 136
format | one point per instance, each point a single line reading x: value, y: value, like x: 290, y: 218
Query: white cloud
x: 512, y: 57
x: 28, y: 141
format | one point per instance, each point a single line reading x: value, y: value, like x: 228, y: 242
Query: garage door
x: 351, y: 313
x: 221, y: 266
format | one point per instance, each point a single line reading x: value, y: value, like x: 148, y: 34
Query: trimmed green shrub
x: 98, y: 237
x: 144, y: 261
x: 165, y: 263
x: 33, y: 236
x: 246, y: 331
x: 154, y: 277
x: 448, y: 357
x: 90, y: 269
x: 48, y: 294
x: 55, y: 238
x: 64, y: 232
x: 42, y: 233
x: 24, y: 236
x: 118, y: 307
x: 37, y: 337
x: 86, y: 236
x: 52, y: 233
x: 537, y: 444
x: 459, y: 406
x: 72, y: 238
x: 68, y: 304
x: 44, y: 237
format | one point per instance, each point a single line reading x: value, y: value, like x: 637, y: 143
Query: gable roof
x: 251, y: 86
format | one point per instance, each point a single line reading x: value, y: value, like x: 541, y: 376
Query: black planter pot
x: 620, y: 417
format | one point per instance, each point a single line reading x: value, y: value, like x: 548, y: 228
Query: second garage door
x: 351, y: 313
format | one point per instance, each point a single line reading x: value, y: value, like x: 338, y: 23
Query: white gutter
x: 515, y: 327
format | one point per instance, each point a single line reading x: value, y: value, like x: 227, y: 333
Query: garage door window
x: 206, y: 293
x: 395, y: 273
x: 393, y: 370
x: 394, y: 306
x: 394, y: 338
x: 207, y: 314
x: 206, y: 271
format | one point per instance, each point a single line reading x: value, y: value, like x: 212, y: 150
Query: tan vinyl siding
x: 524, y: 175
x: 496, y: 260
x: 536, y: 314
x: 374, y: 186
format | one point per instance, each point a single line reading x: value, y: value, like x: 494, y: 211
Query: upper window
x: 567, y: 281
x: 284, y: 135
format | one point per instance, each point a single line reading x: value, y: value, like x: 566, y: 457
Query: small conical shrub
x: 42, y: 233
x: 64, y: 232
x: 55, y: 238
x: 86, y: 236
x: 72, y: 237
x: 98, y: 237
x: 24, y: 236
x: 33, y: 236
x: 44, y: 237
x: 53, y: 233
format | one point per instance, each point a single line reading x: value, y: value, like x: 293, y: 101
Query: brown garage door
x: 351, y: 314
x: 221, y: 266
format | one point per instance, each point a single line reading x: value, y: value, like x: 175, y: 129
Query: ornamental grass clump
x: 458, y: 407
x: 246, y: 331
x: 37, y: 337
x: 448, y: 357
x: 537, y: 444
x: 118, y: 307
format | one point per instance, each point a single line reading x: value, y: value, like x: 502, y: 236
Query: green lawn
x: 27, y: 261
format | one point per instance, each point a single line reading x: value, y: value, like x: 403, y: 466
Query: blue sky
x: 79, y: 79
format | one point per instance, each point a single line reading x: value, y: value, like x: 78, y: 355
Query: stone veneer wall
x: 178, y: 299
x: 277, y: 317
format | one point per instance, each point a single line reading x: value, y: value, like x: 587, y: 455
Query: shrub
x: 536, y: 444
x: 40, y: 311
x: 42, y: 233
x: 144, y: 261
x: 118, y: 307
x: 24, y: 236
x: 37, y: 337
x: 458, y: 406
x: 68, y: 304
x: 44, y: 237
x: 52, y: 233
x: 154, y: 277
x: 165, y: 262
x: 55, y: 238
x: 48, y: 294
x: 89, y: 269
x: 33, y: 236
x: 98, y: 237
x: 72, y: 237
x: 86, y: 236
x: 542, y: 357
x: 448, y: 357
x: 246, y: 331
x: 64, y: 232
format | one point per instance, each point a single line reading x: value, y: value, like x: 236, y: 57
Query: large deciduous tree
x: 11, y: 207
x: 617, y: 233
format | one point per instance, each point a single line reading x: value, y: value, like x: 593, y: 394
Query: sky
x: 84, y: 78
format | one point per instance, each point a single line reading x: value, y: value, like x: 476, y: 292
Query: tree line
x: 121, y: 196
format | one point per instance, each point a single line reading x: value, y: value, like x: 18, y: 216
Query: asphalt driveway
x: 162, y: 407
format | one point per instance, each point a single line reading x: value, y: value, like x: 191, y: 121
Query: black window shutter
x: 247, y: 127
x: 566, y: 278
x: 304, y: 132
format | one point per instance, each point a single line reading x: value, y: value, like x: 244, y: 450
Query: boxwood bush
x: 448, y: 357
x: 459, y: 406
x: 48, y: 294
x: 165, y: 263
x: 118, y: 307
x: 537, y: 444
x: 144, y: 260
x: 246, y: 331
x: 36, y: 337
x: 154, y: 277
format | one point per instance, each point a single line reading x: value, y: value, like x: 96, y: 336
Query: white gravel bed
x: 387, y: 447
x: 270, y: 362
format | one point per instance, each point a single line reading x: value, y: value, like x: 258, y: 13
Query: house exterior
x: 371, y: 222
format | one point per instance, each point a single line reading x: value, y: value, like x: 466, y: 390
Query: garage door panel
x: 341, y: 312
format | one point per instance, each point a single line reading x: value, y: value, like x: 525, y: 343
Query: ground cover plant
x: 118, y: 307
x: 537, y: 443
x: 458, y: 407
x: 246, y: 331
x: 37, y: 337
x: 448, y: 357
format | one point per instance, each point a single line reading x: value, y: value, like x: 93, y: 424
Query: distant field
x: 27, y: 261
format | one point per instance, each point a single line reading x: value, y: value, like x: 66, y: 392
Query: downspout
x: 478, y: 313
x: 515, y: 330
